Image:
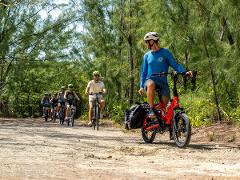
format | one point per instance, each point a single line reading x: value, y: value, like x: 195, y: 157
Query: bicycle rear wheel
x: 182, y: 130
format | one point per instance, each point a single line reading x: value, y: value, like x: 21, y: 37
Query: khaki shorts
x: 92, y: 98
x: 68, y: 103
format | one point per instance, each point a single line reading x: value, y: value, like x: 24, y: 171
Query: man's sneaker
x: 150, y: 112
x: 154, y: 112
x: 90, y: 123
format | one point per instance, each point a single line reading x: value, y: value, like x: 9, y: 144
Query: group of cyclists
x: 156, y: 60
x: 66, y: 98
x: 63, y: 98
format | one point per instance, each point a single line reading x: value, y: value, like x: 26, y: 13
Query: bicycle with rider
x: 69, y: 96
x: 46, y: 104
x: 54, y: 103
x: 95, y: 86
x: 61, y: 100
x: 157, y: 60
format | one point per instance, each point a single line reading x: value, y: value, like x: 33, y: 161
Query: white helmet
x: 151, y: 35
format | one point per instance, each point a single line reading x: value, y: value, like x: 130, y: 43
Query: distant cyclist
x: 54, y: 103
x: 95, y: 86
x: 46, y: 103
x: 61, y: 100
x: 69, y: 96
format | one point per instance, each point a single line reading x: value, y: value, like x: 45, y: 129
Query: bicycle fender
x: 178, y: 113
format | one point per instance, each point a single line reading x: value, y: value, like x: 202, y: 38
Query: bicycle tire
x: 54, y: 116
x: 146, y: 138
x: 97, y: 124
x: 46, y: 115
x: 61, y: 116
x: 72, y: 117
x: 68, y: 121
x: 97, y: 117
x: 94, y: 124
x: 181, y: 128
x: 72, y: 122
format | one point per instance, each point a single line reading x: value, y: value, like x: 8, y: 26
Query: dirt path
x: 31, y: 149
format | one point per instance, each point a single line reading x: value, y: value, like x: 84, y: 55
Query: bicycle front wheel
x: 72, y: 122
x: 148, y: 136
x: 61, y: 116
x: 46, y: 115
x: 94, y: 123
x: 96, y: 117
x: 97, y: 124
x: 72, y: 118
x: 182, y: 130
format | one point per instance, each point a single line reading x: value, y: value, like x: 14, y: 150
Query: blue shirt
x: 157, y: 62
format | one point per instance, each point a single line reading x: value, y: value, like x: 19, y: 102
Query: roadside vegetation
x: 44, y: 45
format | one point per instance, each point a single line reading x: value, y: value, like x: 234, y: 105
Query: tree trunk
x: 213, y: 81
x: 226, y: 29
x: 130, y: 51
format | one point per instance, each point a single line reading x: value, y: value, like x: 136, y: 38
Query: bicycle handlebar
x: 174, y: 73
x: 161, y: 74
x: 95, y: 93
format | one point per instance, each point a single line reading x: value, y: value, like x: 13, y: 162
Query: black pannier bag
x: 134, y: 117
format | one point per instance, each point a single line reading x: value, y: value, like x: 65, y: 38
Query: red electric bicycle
x: 174, y: 120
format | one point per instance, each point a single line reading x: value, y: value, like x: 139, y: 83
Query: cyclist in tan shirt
x: 95, y: 86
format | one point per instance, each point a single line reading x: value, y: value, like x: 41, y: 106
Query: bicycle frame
x: 96, y: 111
x: 175, y: 120
x: 46, y: 110
x: 168, y: 117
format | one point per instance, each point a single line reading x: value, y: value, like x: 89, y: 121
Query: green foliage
x: 200, y: 110
x: 40, y: 52
x: 118, y: 113
x: 235, y: 114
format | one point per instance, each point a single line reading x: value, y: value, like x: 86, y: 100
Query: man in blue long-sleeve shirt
x: 155, y: 61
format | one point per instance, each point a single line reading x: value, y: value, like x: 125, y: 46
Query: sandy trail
x: 32, y: 149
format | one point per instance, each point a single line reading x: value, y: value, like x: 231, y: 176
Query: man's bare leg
x: 150, y: 93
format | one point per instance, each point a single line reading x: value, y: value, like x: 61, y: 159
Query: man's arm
x: 144, y: 71
x: 104, y: 91
x: 173, y: 63
x: 65, y: 95
x: 143, y: 75
x: 88, y: 88
x: 76, y: 95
